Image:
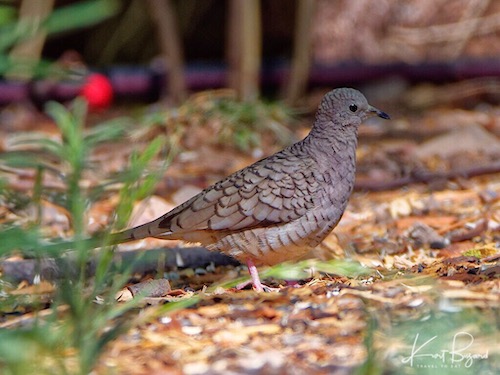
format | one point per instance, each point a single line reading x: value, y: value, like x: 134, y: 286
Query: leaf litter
x: 418, y: 258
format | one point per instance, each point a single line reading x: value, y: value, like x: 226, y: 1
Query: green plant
x: 62, y: 19
x: 234, y: 122
x: 83, y: 316
x: 244, y: 122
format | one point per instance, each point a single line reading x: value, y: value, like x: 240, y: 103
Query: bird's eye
x: 353, y: 107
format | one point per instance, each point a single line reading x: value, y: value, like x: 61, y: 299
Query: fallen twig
x: 426, y: 177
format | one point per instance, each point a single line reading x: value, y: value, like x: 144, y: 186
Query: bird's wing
x: 275, y: 190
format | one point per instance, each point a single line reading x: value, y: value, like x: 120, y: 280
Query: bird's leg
x: 254, y: 274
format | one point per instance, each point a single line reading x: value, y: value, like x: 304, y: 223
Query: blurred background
x: 167, y: 48
x: 172, y: 96
x: 240, y: 71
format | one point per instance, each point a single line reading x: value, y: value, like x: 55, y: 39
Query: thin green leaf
x: 44, y: 144
x: 82, y: 14
x: 17, y: 238
x: 342, y: 267
x: 107, y: 131
x: 26, y: 159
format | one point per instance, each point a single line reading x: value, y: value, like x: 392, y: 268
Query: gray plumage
x: 280, y: 207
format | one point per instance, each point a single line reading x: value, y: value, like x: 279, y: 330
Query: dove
x: 282, y: 206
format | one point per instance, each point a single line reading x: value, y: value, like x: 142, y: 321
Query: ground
x: 408, y: 282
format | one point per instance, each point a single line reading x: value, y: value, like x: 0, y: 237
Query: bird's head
x: 346, y: 106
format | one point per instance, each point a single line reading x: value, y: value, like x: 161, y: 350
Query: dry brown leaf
x: 43, y: 287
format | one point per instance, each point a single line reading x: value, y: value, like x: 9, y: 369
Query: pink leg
x: 257, y: 285
x: 252, y: 270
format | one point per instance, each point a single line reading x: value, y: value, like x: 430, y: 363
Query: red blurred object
x: 98, y: 92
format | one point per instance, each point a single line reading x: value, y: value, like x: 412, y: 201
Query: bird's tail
x: 96, y: 241
x: 109, y: 239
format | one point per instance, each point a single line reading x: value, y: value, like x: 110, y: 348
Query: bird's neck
x: 324, y: 143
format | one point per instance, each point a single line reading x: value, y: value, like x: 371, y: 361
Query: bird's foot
x: 292, y: 283
x: 257, y: 284
x: 257, y: 288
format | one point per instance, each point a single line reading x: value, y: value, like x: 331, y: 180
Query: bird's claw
x: 258, y: 288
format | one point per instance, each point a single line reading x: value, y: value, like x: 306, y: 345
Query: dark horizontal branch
x: 426, y: 177
x: 143, y: 261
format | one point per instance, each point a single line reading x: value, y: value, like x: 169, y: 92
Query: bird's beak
x: 379, y: 113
